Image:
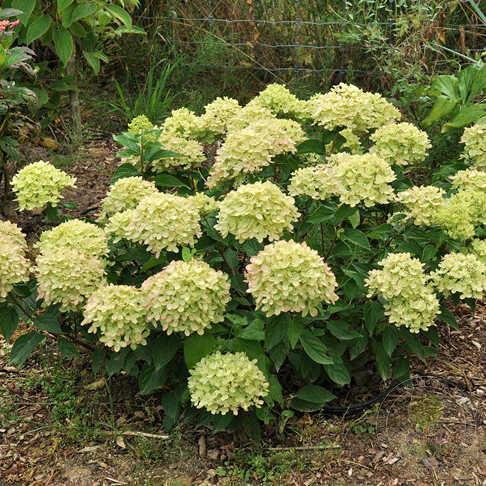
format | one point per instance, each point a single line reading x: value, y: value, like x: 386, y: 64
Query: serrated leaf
x: 315, y: 394
x: 67, y: 348
x: 390, y: 339
x: 162, y: 349
x: 197, y: 347
x: 373, y: 313
x: 254, y: 331
x: 49, y: 321
x: 167, y: 180
x: 295, y: 330
x: 9, y: 320
x: 24, y: 346
x: 125, y: 170
x: 341, y: 330
x: 315, y: 348
x: 338, y: 373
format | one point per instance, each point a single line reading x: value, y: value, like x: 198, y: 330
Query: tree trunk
x: 75, y: 106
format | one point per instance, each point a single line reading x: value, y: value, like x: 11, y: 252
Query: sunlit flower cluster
x: 68, y: 277
x: 280, y: 101
x: 251, y: 149
x: 222, y: 383
x: 362, y: 179
x: 422, y: 203
x: 183, y: 123
x: 347, y: 106
x: 410, y: 301
x: 40, y: 184
x: 14, y: 266
x: 478, y: 248
x: 316, y: 182
x: 258, y: 210
x: 187, y: 297
x: 160, y: 221
x: 249, y: 114
x: 400, y: 143
x: 76, y: 234
x: 218, y: 114
x: 125, y: 194
x: 117, y: 313
x: 471, y: 179
x: 461, y: 274
x: 474, y: 140
x: 190, y: 152
x: 141, y: 125
x: 290, y: 277
x: 204, y: 203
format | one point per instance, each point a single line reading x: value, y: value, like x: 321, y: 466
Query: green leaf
x: 171, y: 404
x: 383, y: 363
x: 63, y: 44
x: 162, y: 349
x: 253, y: 332
x: 381, y: 232
x: 442, y: 107
x: 49, y: 321
x: 311, y: 146
x: 197, y: 347
x: 322, y: 214
x: 167, y: 180
x: 373, y: 313
x: 82, y: 11
x: 93, y: 59
x: 67, y: 348
x: 116, y: 361
x: 390, y: 339
x: 401, y: 369
x: 338, y: 373
x: 448, y: 317
x: 356, y: 238
x: 27, y: 7
x: 315, y: 348
x: 355, y: 219
x: 151, y: 379
x: 24, y: 346
x: 466, y: 116
x: 357, y: 347
x: 63, y: 4
x: 295, y: 330
x: 315, y: 394
x: 37, y: 28
x: 276, y: 331
x: 343, y: 212
x: 341, y: 330
x: 125, y: 170
x: 9, y: 320
x: 119, y: 13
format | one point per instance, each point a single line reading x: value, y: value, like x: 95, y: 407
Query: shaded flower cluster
x: 187, y: 297
x: 422, y: 203
x: 40, y: 184
x: 400, y: 143
x: 222, y: 383
x: 316, y: 182
x: 190, y: 152
x: 478, y: 248
x: 251, y: 149
x: 258, y: 210
x: 290, y: 277
x: 160, y: 221
x: 461, y: 274
x: 347, y: 106
x: 141, y: 125
x: 474, y: 140
x: 117, y: 313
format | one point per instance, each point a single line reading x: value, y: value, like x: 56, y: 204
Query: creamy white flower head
x: 40, y: 184
x: 222, y: 383
x: 422, y: 203
x: 362, y: 179
x: 280, y: 101
x: 141, y: 125
x: 290, y: 277
x: 347, y: 106
x: 401, y: 276
x: 205, y: 204
x: 161, y: 222
x: 461, y: 274
x: 68, y: 277
x: 218, y: 114
x: 12, y: 231
x: 191, y: 153
x: 249, y: 114
x: 251, y: 149
x: 186, y: 297
x: 400, y: 143
x: 76, y: 234
x: 352, y: 142
x: 472, y: 179
x: 118, y: 313
x: 474, y: 140
x: 183, y: 123
x: 478, y: 248
x: 258, y: 210
x: 316, y: 182
x: 125, y: 194
x: 14, y: 266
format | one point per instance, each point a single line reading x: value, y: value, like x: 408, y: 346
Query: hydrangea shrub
x: 259, y: 258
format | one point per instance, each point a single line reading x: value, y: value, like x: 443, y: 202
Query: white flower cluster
x: 474, y: 140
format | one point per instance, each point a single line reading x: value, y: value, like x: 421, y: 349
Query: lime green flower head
x: 400, y: 143
x: 251, y: 149
x: 290, y: 277
x: 205, y: 204
x: 40, y: 184
x: 461, y: 274
x: 186, y: 297
x: 141, y: 125
x: 469, y: 179
x: 422, y: 203
x: 362, y: 179
x: 415, y: 313
x: 14, y: 266
x: 68, y: 277
x: 12, y: 231
x: 222, y: 383
x: 191, y: 153
x: 258, y: 210
x: 401, y: 276
x: 474, y: 140
x: 218, y: 114
x: 347, y: 106
x: 183, y: 123
x: 125, y: 194
x: 161, y: 221
x: 280, y: 101
x: 118, y: 313
x: 76, y: 234
x: 352, y: 142
x: 316, y: 182
x: 478, y: 248
x: 249, y: 114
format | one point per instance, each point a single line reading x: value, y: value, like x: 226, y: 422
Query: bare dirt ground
x: 60, y: 425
